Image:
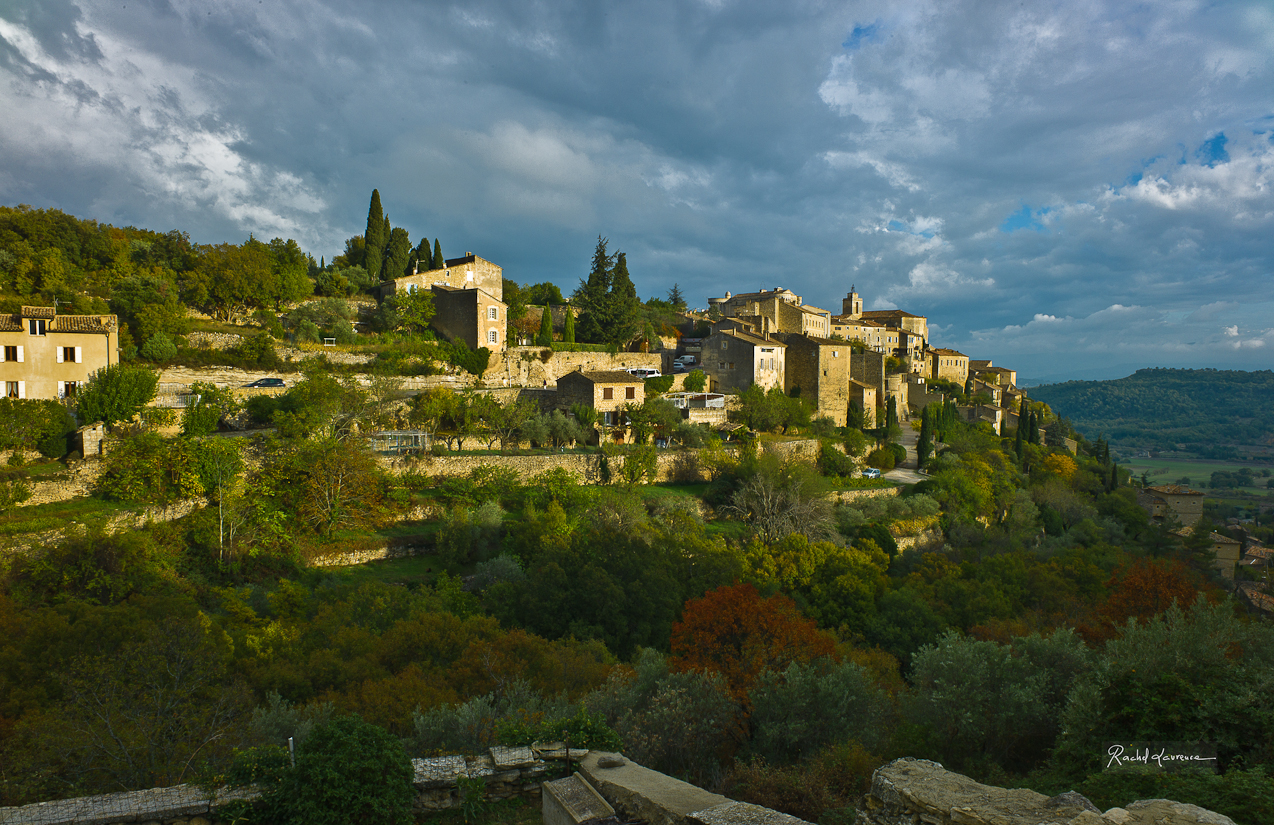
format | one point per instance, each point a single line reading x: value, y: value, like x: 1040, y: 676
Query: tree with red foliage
x: 735, y: 632
x: 1142, y: 591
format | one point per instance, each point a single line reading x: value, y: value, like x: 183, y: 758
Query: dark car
x: 267, y: 382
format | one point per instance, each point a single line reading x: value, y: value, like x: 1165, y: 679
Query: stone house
x: 468, y: 300
x: 1227, y: 552
x: 1172, y: 501
x: 471, y: 315
x: 734, y: 360
x: 699, y: 407
x: 818, y: 371
x: 44, y: 355
x: 606, y: 391
x: 992, y: 374
x: 786, y: 311
x: 947, y: 364
x: 864, y: 395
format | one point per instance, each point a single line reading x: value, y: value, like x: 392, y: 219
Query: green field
x: 1172, y: 470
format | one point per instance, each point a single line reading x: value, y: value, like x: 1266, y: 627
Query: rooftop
x: 607, y: 377
x: 752, y: 339
x: 1174, y: 490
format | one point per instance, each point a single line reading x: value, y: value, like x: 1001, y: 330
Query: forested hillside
x: 1211, y: 412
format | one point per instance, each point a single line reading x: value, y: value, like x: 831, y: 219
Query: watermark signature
x: 1156, y: 757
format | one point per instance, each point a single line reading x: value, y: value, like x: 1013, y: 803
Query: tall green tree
x: 592, y: 294
x: 116, y: 393
x: 397, y: 254
x: 924, y: 446
x: 375, y: 238
x: 625, y: 305
x: 438, y: 262
x: 568, y: 327
x: 545, y: 338
x: 676, y: 298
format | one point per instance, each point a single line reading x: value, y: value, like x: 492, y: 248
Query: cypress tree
x: 925, y: 443
x: 374, y: 238
x: 545, y: 338
x: 568, y: 327
x: 625, y: 305
x: 397, y: 254
x: 1114, y: 475
x: 1018, y: 440
x: 438, y: 262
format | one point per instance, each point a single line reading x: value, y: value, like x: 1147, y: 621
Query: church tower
x: 852, y: 305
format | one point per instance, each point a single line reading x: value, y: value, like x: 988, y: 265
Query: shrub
x: 583, y: 730
x: 346, y: 771
x: 832, y: 462
x: 855, y: 442
x: 695, y: 381
x: 658, y: 386
x: 822, y: 789
x: 900, y: 453
x: 159, y: 348
x: 808, y: 706
x: 882, y: 458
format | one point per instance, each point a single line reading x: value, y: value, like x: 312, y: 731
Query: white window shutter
x: 22, y: 389
x: 21, y: 354
x: 79, y: 355
x: 59, y: 354
x: 2, y: 349
x: 61, y: 389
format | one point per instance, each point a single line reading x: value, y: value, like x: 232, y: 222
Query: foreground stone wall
x: 909, y: 791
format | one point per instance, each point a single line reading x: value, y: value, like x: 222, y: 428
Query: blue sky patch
x: 861, y: 34
x: 1024, y: 218
x: 1213, y: 151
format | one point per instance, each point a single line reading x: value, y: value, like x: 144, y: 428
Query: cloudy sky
x: 1076, y: 188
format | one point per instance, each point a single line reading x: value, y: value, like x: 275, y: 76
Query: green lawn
x: 39, y: 517
x: 1172, y: 470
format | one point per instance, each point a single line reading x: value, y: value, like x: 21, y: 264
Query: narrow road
x: 906, y: 472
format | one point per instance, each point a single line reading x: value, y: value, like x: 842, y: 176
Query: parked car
x: 871, y: 472
x: 684, y: 360
x: 273, y: 383
x: 643, y: 372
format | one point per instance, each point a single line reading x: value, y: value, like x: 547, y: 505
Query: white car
x: 643, y: 372
x: 871, y: 472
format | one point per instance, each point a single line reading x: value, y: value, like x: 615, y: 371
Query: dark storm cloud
x: 1083, y: 184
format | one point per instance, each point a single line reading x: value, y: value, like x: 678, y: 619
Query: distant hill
x: 1213, y: 413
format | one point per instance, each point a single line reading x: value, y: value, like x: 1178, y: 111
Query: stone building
x: 818, y: 371
x: 947, y: 364
x: 44, y: 355
x: 468, y: 300
x: 864, y: 395
x: 786, y: 311
x: 606, y: 391
x: 734, y: 360
x: 1172, y: 501
x: 469, y: 272
x: 471, y: 315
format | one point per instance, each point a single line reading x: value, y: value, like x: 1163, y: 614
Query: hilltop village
x: 436, y: 532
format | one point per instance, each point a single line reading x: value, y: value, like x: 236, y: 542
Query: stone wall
x: 507, y: 773
x: 526, y: 366
x: 909, y: 791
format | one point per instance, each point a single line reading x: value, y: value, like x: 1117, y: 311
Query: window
x: 70, y: 355
x: 730, y: 365
x: 67, y: 389
x: 724, y: 344
x: 492, y: 314
x: 12, y: 353
x: 11, y: 390
x: 608, y: 393
x: 721, y: 365
x: 630, y: 392
x: 608, y: 418
x: 37, y: 326
x: 492, y: 337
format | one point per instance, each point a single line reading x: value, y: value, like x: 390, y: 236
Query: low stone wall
x: 850, y: 496
x: 76, y: 481
x: 908, y: 791
x: 506, y: 772
x: 526, y: 366
x: 928, y: 540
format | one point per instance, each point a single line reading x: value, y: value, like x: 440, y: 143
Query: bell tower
x: 852, y: 305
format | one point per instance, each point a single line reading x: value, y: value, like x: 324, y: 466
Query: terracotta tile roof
x: 941, y: 351
x: 38, y: 312
x: 886, y: 313
x: 83, y: 323
x: 1174, y: 490
x: 10, y: 323
x: 608, y: 377
x: 752, y: 339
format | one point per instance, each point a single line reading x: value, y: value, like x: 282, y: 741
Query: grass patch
x: 408, y: 570
x: 667, y: 489
x: 40, y: 470
x: 90, y: 512
x: 1171, y: 470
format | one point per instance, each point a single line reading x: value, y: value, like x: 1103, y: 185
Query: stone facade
x: 606, y: 391
x: 819, y: 369
x: 1172, y: 501
x: 948, y: 364
x: 864, y: 395
x: 44, y: 355
x: 469, y: 272
x: 734, y: 361
x: 471, y: 315
x: 783, y: 310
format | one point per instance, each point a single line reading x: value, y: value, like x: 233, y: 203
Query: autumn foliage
x: 1141, y: 591
x: 735, y: 632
